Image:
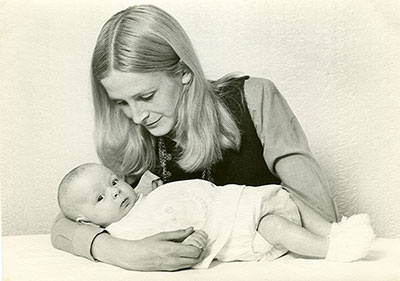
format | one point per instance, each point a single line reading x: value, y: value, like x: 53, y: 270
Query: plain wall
x: 336, y: 62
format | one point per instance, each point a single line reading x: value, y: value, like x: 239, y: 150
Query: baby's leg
x: 278, y: 230
x: 349, y: 240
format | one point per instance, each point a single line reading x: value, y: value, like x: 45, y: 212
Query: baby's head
x: 92, y: 193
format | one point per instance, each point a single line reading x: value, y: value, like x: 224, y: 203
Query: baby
x: 232, y: 222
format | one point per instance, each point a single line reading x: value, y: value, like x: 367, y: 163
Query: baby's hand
x: 198, y: 239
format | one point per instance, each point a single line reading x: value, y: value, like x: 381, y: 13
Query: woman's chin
x: 159, y: 131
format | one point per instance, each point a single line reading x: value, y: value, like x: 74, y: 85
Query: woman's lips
x: 153, y: 124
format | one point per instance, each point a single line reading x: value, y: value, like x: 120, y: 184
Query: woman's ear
x: 186, y: 77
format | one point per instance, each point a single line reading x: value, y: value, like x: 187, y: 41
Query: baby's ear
x: 83, y: 220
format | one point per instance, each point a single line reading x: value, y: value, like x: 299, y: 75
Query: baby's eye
x: 114, y: 182
x: 100, y: 198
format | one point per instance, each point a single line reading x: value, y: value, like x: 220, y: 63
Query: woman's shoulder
x: 256, y: 89
x: 238, y: 90
x: 255, y: 83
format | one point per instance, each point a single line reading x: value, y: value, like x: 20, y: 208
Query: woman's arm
x: 72, y: 237
x: 162, y: 251
x: 286, y: 149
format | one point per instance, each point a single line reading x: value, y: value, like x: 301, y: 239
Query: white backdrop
x: 336, y: 62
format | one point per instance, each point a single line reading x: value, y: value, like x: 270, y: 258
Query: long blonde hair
x: 145, y: 39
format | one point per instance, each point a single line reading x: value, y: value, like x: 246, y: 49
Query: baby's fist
x: 198, y: 239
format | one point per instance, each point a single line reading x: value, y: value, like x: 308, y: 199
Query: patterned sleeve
x: 286, y: 149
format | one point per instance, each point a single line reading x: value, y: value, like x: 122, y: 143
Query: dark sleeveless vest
x: 246, y: 166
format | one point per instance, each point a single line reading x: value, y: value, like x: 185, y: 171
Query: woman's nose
x: 138, y: 113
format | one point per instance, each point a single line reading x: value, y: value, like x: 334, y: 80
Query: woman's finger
x: 180, y: 263
x: 177, y: 235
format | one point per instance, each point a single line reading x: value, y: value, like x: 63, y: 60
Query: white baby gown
x: 228, y: 214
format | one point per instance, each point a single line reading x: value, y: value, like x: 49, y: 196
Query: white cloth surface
x: 32, y: 258
x: 228, y: 214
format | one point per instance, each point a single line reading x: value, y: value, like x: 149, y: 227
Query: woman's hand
x: 162, y: 251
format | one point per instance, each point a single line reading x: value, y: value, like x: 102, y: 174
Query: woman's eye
x: 114, y: 182
x: 147, y: 97
x: 121, y: 102
x: 100, y: 198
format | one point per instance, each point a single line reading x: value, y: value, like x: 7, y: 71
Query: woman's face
x: 149, y: 99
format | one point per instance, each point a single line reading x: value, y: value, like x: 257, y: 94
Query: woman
x: 156, y: 111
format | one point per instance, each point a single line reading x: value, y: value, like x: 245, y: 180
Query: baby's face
x: 101, y: 197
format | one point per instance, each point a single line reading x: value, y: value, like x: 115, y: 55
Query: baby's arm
x: 198, y: 239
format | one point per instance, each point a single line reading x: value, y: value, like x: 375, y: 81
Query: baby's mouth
x: 125, y: 202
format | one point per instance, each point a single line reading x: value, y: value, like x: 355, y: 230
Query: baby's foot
x: 350, y: 239
x: 360, y: 219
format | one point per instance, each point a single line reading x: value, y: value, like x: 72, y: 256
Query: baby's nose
x: 116, y: 192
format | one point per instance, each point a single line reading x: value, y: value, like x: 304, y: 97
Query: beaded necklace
x: 164, y: 157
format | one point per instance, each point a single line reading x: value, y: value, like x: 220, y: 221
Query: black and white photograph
x: 200, y: 140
